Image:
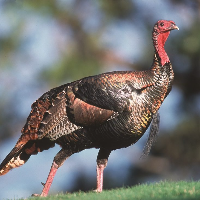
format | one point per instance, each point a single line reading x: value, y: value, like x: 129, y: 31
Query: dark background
x: 44, y: 44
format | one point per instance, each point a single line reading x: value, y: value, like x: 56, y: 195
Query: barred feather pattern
x: 107, y: 111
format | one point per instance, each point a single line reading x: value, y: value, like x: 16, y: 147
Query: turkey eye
x: 161, y: 24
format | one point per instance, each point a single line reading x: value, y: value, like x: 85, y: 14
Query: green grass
x: 163, y: 190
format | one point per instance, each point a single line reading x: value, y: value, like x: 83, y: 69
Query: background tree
x: 44, y: 44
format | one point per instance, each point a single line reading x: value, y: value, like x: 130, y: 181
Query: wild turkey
x: 107, y: 111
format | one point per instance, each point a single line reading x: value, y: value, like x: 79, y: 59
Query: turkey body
x: 107, y: 111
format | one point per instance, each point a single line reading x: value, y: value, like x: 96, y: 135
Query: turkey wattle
x: 107, y: 111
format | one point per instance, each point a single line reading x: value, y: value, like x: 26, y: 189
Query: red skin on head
x: 160, y: 34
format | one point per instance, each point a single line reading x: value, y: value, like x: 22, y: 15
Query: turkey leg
x: 59, y: 159
x: 50, y: 178
x: 102, y: 160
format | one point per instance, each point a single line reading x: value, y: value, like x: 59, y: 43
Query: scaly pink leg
x: 101, y: 165
x: 49, y: 181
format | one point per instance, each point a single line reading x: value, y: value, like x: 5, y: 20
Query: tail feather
x: 12, y: 160
x: 26, y: 146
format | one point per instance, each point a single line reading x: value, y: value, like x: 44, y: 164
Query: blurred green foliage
x: 77, y: 29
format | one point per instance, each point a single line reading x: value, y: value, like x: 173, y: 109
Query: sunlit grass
x: 162, y: 190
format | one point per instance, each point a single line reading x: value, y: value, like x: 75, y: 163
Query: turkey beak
x: 173, y: 27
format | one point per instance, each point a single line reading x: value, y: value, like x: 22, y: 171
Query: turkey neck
x: 161, y: 60
x: 159, y: 40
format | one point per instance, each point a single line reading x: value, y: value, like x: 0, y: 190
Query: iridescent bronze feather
x: 107, y: 111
